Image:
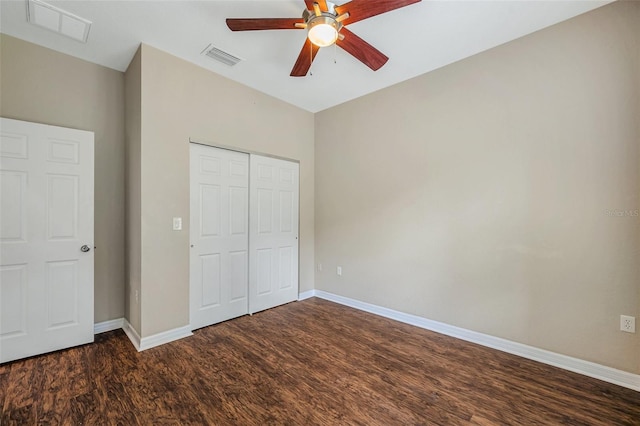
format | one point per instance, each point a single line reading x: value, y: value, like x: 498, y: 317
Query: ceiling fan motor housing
x: 323, y: 24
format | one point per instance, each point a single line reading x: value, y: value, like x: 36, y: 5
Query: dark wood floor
x: 306, y: 363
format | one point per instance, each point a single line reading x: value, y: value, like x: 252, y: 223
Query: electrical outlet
x: 339, y: 271
x: 177, y: 224
x: 628, y: 323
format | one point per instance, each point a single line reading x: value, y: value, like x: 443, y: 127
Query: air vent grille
x: 220, y: 55
x: 55, y: 19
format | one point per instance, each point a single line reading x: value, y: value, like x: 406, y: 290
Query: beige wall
x: 133, y: 136
x: 44, y: 86
x: 181, y: 101
x: 476, y: 195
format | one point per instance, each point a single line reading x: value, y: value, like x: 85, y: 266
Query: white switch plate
x: 177, y: 223
x: 339, y: 270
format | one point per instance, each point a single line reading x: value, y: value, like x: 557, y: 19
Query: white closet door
x: 46, y: 238
x: 219, y: 235
x: 273, y: 239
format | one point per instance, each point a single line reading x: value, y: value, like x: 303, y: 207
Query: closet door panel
x: 273, y: 235
x: 219, y: 235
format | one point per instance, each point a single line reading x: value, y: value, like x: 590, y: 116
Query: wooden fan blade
x: 306, y: 57
x: 250, y: 24
x: 361, y: 50
x: 321, y: 3
x: 363, y: 9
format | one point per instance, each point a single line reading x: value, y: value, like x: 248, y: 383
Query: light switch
x: 177, y: 224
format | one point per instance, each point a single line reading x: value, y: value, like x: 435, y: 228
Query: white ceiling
x: 417, y: 39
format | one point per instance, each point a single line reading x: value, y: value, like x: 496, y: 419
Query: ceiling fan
x: 325, y: 24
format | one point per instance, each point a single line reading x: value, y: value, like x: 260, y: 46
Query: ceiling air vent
x: 60, y: 21
x: 220, y: 55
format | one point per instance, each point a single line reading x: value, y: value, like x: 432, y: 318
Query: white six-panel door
x: 273, y: 237
x: 243, y: 232
x: 46, y: 217
x: 219, y: 235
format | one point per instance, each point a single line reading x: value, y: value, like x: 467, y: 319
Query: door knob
x: 85, y: 248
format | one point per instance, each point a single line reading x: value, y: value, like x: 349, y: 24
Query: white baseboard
x: 587, y: 368
x: 132, y: 334
x: 104, y: 326
x: 306, y: 294
x: 144, y: 343
x: 164, y: 337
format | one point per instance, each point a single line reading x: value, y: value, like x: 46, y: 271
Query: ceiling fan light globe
x: 322, y: 35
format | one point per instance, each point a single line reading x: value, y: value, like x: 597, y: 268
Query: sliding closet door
x: 273, y: 239
x: 219, y: 235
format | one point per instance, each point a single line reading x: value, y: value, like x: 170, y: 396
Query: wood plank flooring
x: 305, y: 363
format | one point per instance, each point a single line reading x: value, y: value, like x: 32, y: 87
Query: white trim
x: 204, y: 142
x: 306, y: 294
x: 132, y: 334
x: 587, y: 368
x: 164, y: 337
x: 104, y: 326
x: 144, y: 343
